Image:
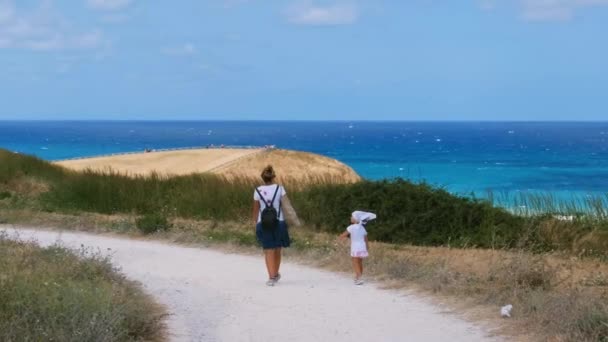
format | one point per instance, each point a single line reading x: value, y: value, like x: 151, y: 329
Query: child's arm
x: 366, y: 243
x: 344, y: 235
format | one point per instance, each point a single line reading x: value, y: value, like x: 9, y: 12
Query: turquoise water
x: 564, y: 158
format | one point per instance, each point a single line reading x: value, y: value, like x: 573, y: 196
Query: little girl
x: 358, y: 241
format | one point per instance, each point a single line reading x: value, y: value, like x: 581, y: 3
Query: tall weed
x: 51, y: 294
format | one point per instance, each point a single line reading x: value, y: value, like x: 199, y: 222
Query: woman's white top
x: 267, y: 192
x: 357, y: 238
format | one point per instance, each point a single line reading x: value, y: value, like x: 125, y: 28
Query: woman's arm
x: 290, y: 213
x: 344, y: 235
x: 256, y: 211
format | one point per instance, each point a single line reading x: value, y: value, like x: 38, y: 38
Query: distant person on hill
x: 270, y: 206
x: 359, y: 245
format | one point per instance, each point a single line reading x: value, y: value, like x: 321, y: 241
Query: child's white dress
x: 358, y: 248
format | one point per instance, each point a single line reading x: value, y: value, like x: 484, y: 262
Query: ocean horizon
x: 565, y: 158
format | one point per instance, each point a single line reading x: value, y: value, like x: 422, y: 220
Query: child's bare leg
x: 270, y: 262
x: 356, y: 267
x: 360, y: 265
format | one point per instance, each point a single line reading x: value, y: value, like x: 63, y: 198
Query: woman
x: 272, y: 236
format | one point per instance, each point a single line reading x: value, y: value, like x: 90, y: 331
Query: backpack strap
x: 276, y: 191
x: 262, y: 197
x: 273, y: 197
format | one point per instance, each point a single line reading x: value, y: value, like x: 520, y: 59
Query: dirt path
x: 214, y: 296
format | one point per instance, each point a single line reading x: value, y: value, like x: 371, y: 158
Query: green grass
x: 407, y: 213
x: 51, y: 294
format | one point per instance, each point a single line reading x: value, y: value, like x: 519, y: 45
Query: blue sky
x: 304, y: 59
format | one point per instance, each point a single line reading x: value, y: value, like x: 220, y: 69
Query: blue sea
x: 463, y: 157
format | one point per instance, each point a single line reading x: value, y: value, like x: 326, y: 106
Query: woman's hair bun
x: 268, y: 173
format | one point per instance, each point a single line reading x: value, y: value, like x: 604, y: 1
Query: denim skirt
x: 269, y: 239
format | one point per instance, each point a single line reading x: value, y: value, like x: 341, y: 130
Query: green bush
x: 152, y: 223
x: 52, y: 294
x: 410, y: 213
x: 407, y: 212
x: 5, y: 195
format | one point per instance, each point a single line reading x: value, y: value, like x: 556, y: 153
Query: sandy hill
x: 289, y: 165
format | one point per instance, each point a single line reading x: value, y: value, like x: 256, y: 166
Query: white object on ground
x: 215, y: 296
x: 505, y: 311
x: 564, y: 217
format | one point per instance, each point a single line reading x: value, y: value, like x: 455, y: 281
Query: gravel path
x: 214, y: 296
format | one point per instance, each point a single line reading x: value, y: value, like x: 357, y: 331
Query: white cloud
x: 182, y: 50
x: 109, y: 5
x: 42, y: 29
x: 308, y: 14
x: 547, y: 10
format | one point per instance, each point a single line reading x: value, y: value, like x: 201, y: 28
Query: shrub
x: 5, y: 195
x: 410, y: 213
x: 152, y: 223
x: 52, y: 294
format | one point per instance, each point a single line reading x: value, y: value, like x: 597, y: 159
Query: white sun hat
x: 363, y: 216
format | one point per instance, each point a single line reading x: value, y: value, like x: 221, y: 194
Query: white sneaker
x: 277, y: 278
x: 270, y: 282
x: 359, y: 282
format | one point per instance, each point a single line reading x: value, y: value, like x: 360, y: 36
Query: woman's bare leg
x: 270, y: 262
x: 277, y: 260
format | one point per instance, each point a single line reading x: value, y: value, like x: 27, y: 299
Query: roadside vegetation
x: 548, y: 260
x: 53, y: 294
x: 408, y: 213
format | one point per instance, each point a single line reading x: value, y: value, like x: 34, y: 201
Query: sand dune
x: 165, y: 162
x: 229, y: 162
x: 295, y: 165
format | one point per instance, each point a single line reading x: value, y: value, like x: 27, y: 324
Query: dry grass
x: 28, y: 186
x: 54, y: 294
x: 180, y: 162
x: 556, y: 296
x: 292, y: 167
